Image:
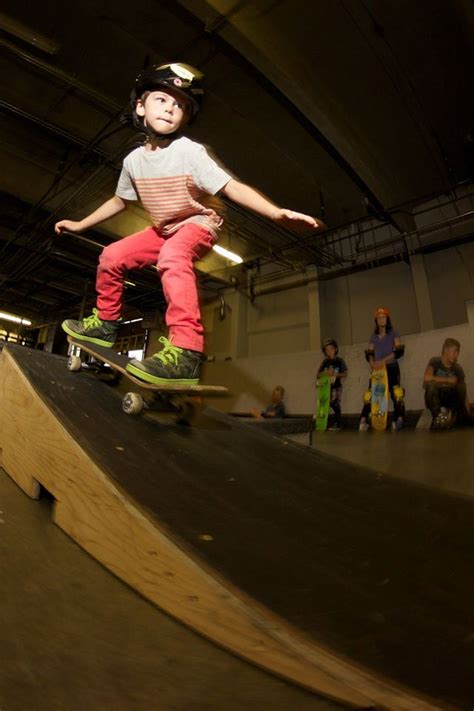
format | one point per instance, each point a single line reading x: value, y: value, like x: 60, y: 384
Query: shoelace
x: 169, y: 353
x: 92, y: 321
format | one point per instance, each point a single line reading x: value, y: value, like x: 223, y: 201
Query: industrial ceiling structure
x: 356, y: 111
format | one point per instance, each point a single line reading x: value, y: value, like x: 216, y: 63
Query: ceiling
x: 339, y: 108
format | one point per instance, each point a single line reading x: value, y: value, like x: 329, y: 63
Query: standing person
x: 336, y: 369
x: 172, y: 176
x: 445, y: 387
x: 385, y: 348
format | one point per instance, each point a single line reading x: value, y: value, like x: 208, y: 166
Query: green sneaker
x: 172, y: 365
x: 92, y: 329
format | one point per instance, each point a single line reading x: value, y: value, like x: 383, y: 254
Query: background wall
x: 279, y: 323
x: 251, y: 380
x: 283, y: 322
x: 450, y: 276
x: 347, y: 303
x: 275, y: 340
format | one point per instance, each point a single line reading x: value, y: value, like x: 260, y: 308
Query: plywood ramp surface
x: 153, y: 505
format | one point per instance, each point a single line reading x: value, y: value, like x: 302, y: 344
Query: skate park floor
x: 74, y: 637
x: 371, y: 566
x: 437, y: 460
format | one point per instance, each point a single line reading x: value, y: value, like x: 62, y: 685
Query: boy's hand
x: 68, y: 225
x: 291, y: 219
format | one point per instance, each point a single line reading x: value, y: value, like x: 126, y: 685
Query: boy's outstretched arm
x: 107, y: 209
x: 249, y: 197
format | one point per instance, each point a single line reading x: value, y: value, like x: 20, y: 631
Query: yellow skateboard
x: 379, y: 400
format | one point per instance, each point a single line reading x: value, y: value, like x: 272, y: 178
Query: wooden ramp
x: 259, y: 545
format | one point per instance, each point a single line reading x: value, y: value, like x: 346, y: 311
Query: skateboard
x: 379, y: 399
x: 110, y: 365
x: 323, y: 402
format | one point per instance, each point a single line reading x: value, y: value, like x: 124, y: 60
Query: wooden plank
x: 102, y: 517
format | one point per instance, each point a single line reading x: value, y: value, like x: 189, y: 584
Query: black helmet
x: 329, y: 342
x: 182, y: 78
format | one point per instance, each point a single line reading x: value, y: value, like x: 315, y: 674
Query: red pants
x: 174, y: 258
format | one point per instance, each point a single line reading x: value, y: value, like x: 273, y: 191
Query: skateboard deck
x: 322, y: 403
x: 133, y: 402
x: 379, y: 401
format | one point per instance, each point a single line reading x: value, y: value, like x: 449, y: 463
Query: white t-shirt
x: 174, y: 184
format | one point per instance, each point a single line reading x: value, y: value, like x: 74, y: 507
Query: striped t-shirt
x: 174, y: 184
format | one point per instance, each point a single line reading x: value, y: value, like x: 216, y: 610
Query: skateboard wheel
x: 132, y: 404
x: 74, y: 363
x: 186, y: 413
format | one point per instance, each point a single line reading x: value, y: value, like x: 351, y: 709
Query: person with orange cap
x: 385, y: 348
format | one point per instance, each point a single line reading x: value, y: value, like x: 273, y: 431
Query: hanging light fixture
x: 231, y: 256
x: 15, y: 319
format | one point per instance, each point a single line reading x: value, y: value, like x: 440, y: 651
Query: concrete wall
x: 450, y: 275
x: 274, y: 323
x: 251, y: 379
x: 347, y: 303
x: 429, y: 292
x: 279, y: 323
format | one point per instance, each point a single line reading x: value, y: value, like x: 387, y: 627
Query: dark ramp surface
x: 377, y: 569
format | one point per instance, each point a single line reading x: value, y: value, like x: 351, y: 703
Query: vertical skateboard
x: 379, y: 400
x: 323, y: 402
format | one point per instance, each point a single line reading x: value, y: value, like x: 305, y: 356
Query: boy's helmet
x: 182, y: 78
x: 381, y: 311
x: 329, y: 342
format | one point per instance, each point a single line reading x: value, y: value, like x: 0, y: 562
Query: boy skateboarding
x: 172, y: 176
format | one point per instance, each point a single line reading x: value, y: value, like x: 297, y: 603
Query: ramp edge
x: 95, y: 513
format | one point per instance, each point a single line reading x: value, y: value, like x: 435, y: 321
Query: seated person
x: 276, y: 408
x: 445, y: 387
x: 334, y: 366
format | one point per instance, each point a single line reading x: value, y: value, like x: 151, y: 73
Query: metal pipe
x: 285, y: 287
x: 50, y: 127
x: 100, y: 100
x: 363, y: 220
x: 27, y: 34
x: 449, y: 222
